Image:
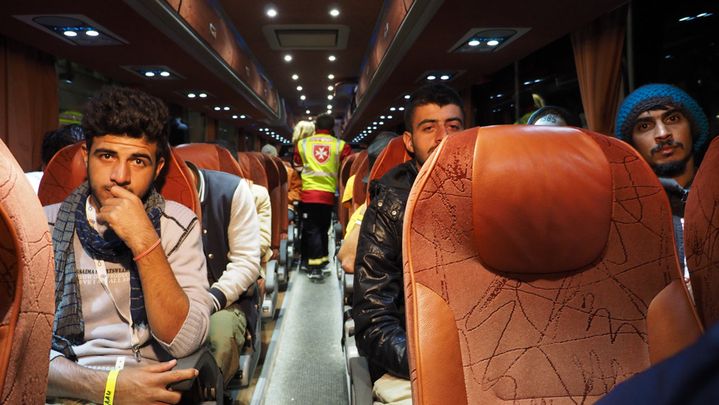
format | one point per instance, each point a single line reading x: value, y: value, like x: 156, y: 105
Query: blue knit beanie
x: 651, y: 95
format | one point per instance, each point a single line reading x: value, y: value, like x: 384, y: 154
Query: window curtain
x: 28, y: 100
x: 598, y: 56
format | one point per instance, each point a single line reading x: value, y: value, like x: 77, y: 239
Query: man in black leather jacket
x: 434, y: 111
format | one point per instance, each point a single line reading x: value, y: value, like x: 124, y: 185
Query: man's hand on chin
x: 126, y: 215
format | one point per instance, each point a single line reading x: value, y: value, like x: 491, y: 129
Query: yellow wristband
x: 110, y: 387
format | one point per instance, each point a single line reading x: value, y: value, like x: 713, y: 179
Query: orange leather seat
x: 253, y: 167
x: 343, y: 177
x: 66, y: 171
x: 27, y: 284
x: 360, y: 168
x: 392, y: 155
x: 701, y: 236
x: 209, y: 156
x: 539, y: 267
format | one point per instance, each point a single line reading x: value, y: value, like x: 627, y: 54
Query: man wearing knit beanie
x: 669, y: 129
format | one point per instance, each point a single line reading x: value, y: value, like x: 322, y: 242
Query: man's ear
x: 160, y: 165
x: 407, y: 138
x: 83, y: 148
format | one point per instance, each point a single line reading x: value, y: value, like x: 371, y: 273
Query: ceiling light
x: 331, y: 58
x: 243, y: 116
x: 407, y: 96
x: 331, y: 76
x: 330, y: 88
x: 295, y: 76
x: 401, y: 108
x: 444, y: 77
x: 69, y: 33
x: 334, y: 12
x: 217, y: 108
x: 92, y: 33
x: 302, y: 97
x: 150, y: 74
x: 288, y: 58
x: 191, y: 95
x: 329, y: 106
x: 203, y: 95
x: 431, y: 77
x: 307, y: 112
x: 330, y: 97
x: 381, y: 122
x: 299, y: 88
x: 329, y: 112
x: 165, y: 73
x: 234, y: 117
x: 381, y: 117
x: 392, y: 109
x: 473, y: 42
x: 492, y: 42
x: 226, y: 108
x: 389, y: 117
x: 271, y: 12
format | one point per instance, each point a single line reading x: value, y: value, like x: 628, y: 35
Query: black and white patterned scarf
x: 68, y: 326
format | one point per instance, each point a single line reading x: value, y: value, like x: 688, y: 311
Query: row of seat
x: 359, y: 383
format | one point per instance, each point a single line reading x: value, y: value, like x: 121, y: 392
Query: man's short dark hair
x: 439, y: 94
x: 127, y: 112
x: 53, y: 141
x: 325, y: 122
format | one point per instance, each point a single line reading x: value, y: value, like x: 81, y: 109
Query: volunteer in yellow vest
x: 318, y: 157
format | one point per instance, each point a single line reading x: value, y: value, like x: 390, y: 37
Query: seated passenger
x: 347, y: 252
x: 434, y: 112
x: 131, y: 283
x: 51, y: 144
x: 671, y: 132
x: 231, y: 242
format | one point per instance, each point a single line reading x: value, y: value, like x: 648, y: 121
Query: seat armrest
x: 209, y: 375
x: 361, y: 382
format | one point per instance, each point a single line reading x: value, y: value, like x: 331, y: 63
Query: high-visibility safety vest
x: 320, y: 155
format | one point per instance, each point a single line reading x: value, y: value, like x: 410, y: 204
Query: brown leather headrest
x: 541, y: 199
x: 209, y: 156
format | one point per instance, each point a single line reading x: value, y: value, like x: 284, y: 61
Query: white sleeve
x: 264, y: 213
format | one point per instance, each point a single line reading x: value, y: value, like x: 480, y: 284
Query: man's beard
x: 671, y: 169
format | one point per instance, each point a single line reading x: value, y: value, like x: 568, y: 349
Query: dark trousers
x: 316, y: 219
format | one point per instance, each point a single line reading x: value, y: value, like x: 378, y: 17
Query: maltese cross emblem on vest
x: 321, y: 153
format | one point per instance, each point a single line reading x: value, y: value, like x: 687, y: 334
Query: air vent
x: 307, y: 37
x: 487, y: 39
x: 74, y: 29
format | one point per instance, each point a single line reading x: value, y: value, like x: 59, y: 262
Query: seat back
x: 539, y: 266
x: 209, y: 156
x: 701, y: 236
x: 27, y: 283
x: 393, y: 154
x: 360, y: 168
x: 66, y: 171
x: 253, y: 167
x: 283, y: 184
x: 343, y: 211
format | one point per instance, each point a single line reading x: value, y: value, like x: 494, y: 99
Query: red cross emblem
x: 321, y: 153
